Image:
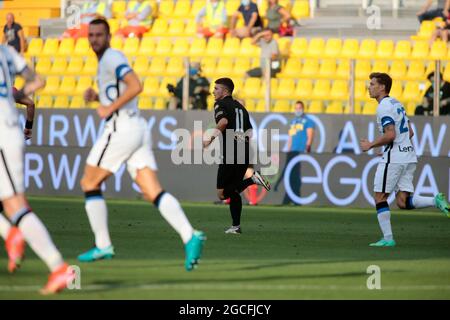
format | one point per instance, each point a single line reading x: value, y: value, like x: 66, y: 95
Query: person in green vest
x: 139, y: 17
x: 212, y: 20
x: 89, y: 11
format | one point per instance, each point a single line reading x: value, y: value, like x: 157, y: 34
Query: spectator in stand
x: 252, y: 20
x: 212, y: 20
x: 442, y: 10
x: 426, y: 108
x: 277, y: 16
x: 269, y: 49
x: 139, y: 16
x: 441, y: 32
x: 13, y: 34
x: 89, y: 11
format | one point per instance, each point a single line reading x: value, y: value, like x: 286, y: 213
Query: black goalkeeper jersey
x: 238, y: 130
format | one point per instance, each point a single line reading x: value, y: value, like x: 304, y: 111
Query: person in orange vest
x: 89, y: 11
x: 139, y: 16
x: 212, y: 20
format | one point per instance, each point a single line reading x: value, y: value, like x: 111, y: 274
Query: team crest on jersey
x: 216, y: 106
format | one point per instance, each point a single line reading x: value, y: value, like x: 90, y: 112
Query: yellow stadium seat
x: 61, y: 102
x: 381, y: 66
x: 281, y: 106
x: 370, y: 107
x: 402, y: 49
x: 310, y: 68
x: 19, y: 82
x: 81, y: 47
x: 130, y: 46
x: 396, y: 90
x: 45, y: 101
x: 260, y: 106
x: 157, y: 66
x: 286, y: 89
x: 66, y: 47
x: 339, y: 90
x: 114, y: 25
x: 321, y: 90
x: 146, y: 47
x: 362, y: 69
x: 160, y: 104
x: 231, y: 6
x: 162, y: 91
x: 250, y: 105
x: 327, y: 68
x: 299, y: 47
x: 140, y: 65
x: 350, y: 48
x: 231, y: 47
x: 356, y: 106
x: 176, y: 28
x: 50, y: 47
x: 59, y: 66
x: 316, y: 47
x: 252, y: 88
x: 75, y: 66
x: 361, y: 92
x: 410, y: 108
x: 166, y: 8
x: 67, y: 86
x: 300, y: 9
x: 224, y: 67
x: 159, y: 27
x: 190, y: 28
x: 315, y: 107
x: 426, y: 29
x: 197, y: 5
x: 208, y: 66
x: 175, y: 67
x: 77, y: 102
x: 420, y: 50
x: 446, y: 74
x: 332, y: 48
x: 145, y: 103
x: 247, y: 49
x: 416, y: 70
x: 398, y: 70
x: 180, y: 47
x: 43, y: 65
x: 343, y: 69
x: 273, y: 88
x: 182, y: 9
x: 292, y: 68
x: 151, y: 86
x: 118, y: 8
x: 214, y: 47
x: 367, y: 49
x: 335, y: 107
x: 303, y: 89
x: 84, y: 82
x: 90, y: 66
x: 163, y: 47
x: 241, y: 66
x: 35, y: 47
x: 51, y: 85
x: 412, y: 92
x: 197, y: 48
x: 117, y: 43
x: 438, y: 50
x: 385, y: 49
x: 284, y: 44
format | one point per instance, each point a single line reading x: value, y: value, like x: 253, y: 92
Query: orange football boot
x: 15, y: 246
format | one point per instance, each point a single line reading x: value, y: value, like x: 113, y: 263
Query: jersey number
x: 239, y: 120
x: 403, y: 128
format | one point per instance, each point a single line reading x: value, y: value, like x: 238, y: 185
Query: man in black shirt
x: 234, y: 129
x: 13, y: 34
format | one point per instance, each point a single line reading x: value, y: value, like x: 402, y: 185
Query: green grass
x: 283, y: 253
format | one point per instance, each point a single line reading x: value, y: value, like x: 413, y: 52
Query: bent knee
x: 401, y: 204
x: 88, y: 185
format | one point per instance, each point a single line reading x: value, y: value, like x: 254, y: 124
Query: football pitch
x: 283, y: 253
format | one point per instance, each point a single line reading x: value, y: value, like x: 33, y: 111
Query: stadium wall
x: 335, y: 173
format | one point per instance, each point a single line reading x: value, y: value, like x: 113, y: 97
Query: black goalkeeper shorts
x: 230, y: 174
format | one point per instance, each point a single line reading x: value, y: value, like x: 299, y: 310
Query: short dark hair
x: 300, y: 102
x: 227, y: 82
x: 102, y: 21
x: 384, y: 79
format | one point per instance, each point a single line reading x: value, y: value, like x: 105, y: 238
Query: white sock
x: 40, y: 241
x: 384, y: 219
x: 98, y: 218
x: 423, y: 202
x: 171, y: 211
x: 5, y: 225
